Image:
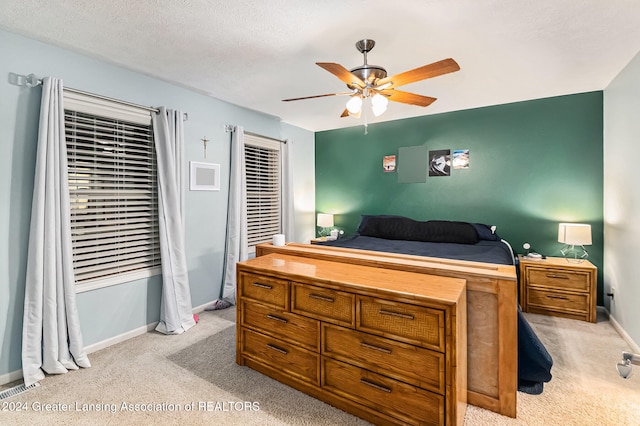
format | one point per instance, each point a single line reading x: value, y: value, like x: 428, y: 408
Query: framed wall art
x: 204, y: 176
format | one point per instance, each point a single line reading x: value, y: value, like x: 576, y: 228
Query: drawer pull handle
x: 277, y: 349
x: 323, y: 298
x: 377, y: 348
x: 267, y: 286
x: 396, y: 314
x: 553, y: 296
x: 558, y: 276
x: 375, y: 385
x: 275, y: 318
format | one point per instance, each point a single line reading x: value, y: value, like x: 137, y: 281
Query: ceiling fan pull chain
x: 366, y: 125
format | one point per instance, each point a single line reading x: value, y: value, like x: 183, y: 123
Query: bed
x: 496, y: 327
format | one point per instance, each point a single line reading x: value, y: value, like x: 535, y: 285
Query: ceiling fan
x: 371, y: 81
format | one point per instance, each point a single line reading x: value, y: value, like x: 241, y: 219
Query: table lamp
x: 325, y: 220
x: 574, y: 236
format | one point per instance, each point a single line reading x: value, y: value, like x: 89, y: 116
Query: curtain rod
x: 31, y: 81
x: 230, y: 128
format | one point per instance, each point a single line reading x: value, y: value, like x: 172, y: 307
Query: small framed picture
x: 204, y: 176
x: 460, y: 158
x: 440, y: 162
x: 389, y: 163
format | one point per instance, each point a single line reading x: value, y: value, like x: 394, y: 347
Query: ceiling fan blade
x: 435, y: 69
x: 408, y: 98
x: 318, y: 96
x: 342, y: 73
x: 345, y: 113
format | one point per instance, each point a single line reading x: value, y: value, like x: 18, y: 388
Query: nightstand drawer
x: 272, y: 291
x: 558, y: 278
x: 385, y: 356
x: 291, y: 359
x: 413, y: 324
x: 556, y: 300
x: 323, y: 304
x: 292, y: 328
x: 389, y: 396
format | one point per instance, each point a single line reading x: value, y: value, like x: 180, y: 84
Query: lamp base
x: 574, y: 254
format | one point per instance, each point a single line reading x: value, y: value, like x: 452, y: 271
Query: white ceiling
x: 255, y: 53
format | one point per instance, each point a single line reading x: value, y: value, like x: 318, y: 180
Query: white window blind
x: 113, y: 191
x: 262, y: 158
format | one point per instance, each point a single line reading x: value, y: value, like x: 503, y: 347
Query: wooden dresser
x: 387, y: 346
x: 554, y: 286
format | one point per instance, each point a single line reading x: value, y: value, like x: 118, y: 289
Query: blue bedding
x: 534, y: 362
x: 483, y: 251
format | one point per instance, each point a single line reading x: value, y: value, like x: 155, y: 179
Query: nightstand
x: 554, y: 286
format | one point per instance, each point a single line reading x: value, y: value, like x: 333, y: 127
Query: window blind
x: 262, y: 168
x: 113, y: 192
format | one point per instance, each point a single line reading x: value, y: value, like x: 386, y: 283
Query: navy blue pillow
x: 365, y: 218
x: 485, y: 232
x: 403, y: 228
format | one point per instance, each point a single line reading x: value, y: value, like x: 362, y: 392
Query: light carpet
x: 192, y: 379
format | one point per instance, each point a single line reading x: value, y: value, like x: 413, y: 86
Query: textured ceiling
x: 256, y: 53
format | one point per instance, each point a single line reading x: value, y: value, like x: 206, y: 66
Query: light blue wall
x: 112, y: 311
x: 622, y: 199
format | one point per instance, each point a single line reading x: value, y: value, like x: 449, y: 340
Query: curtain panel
x: 236, y: 249
x: 176, y: 311
x: 51, y: 335
x: 286, y: 173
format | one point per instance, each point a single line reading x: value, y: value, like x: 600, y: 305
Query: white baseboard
x: 10, y: 377
x: 133, y: 333
x: 616, y: 325
x: 201, y: 308
x: 120, y: 338
x: 17, y: 375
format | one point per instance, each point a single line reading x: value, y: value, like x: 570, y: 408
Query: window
x: 262, y: 162
x: 113, y: 191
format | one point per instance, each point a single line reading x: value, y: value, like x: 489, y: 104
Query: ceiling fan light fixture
x: 378, y: 110
x: 354, y: 105
x: 379, y: 100
x: 379, y: 104
x: 371, y: 83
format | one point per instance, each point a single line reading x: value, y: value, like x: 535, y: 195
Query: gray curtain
x: 51, y: 335
x: 286, y: 175
x: 236, y: 239
x: 176, y: 312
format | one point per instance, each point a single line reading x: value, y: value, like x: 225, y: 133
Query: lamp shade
x: 325, y: 220
x: 354, y: 104
x: 578, y: 234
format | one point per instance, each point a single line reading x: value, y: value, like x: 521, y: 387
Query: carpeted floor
x: 192, y: 379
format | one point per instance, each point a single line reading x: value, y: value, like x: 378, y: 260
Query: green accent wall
x: 533, y: 164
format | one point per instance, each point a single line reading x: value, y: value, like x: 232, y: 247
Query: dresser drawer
x: 410, y: 404
x: 288, y: 358
x: 385, y: 356
x: 323, y: 304
x: 556, y: 300
x: 410, y: 323
x: 558, y: 278
x: 269, y: 290
x: 283, y: 325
